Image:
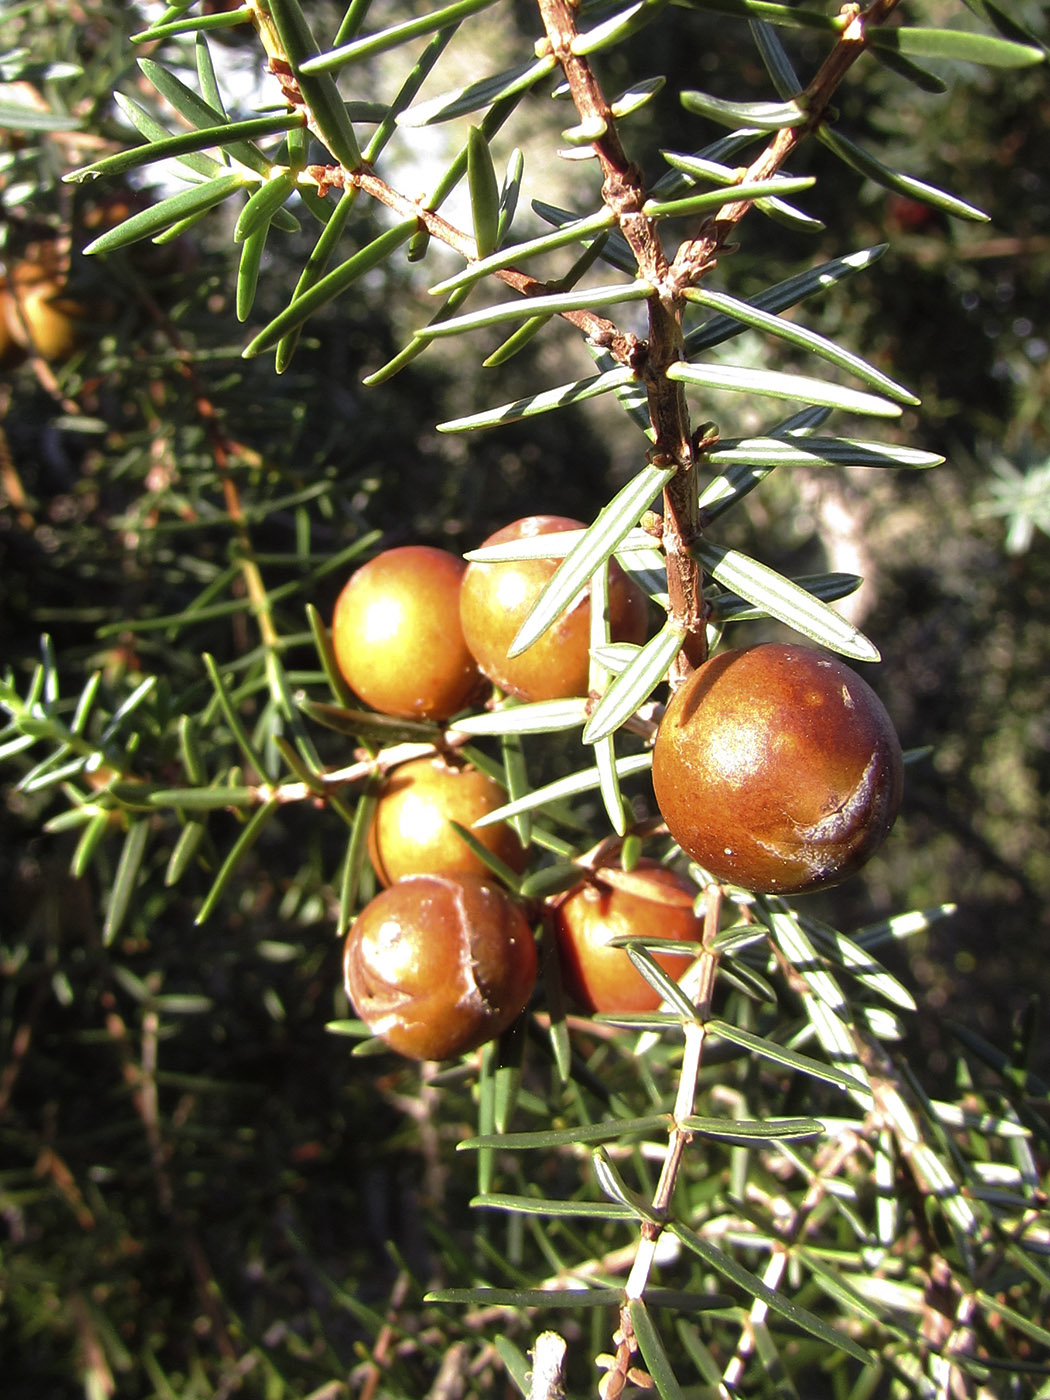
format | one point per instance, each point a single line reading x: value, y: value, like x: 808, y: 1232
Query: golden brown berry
x: 651, y: 902
x: 438, y: 964
x: 397, y: 638
x: 9, y: 347
x: 777, y: 768
x: 411, y: 832
x: 38, y: 315
x: 497, y: 598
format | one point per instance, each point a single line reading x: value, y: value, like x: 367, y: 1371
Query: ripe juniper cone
x: 438, y: 964
x: 652, y: 902
x: 777, y: 768
x: 412, y: 831
x: 496, y: 598
x: 397, y: 638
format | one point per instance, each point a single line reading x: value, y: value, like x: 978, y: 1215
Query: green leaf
x: 616, y: 251
x: 394, y: 36
x: 781, y: 1055
x: 226, y: 20
x: 169, y: 211
x: 784, y: 600
x: 1004, y: 23
x: 253, y: 829
x: 752, y: 1132
x: 653, y: 1353
x: 552, y: 304
x: 727, y: 607
x: 784, y: 294
x: 612, y: 1183
x: 492, y: 862
x: 742, y: 379
x: 356, y: 858
x: 406, y: 94
x: 263, y: 205
x: 900, y: 926
x: 555, y: 546
x: 723, y: 1264
x: 484, y: 192
x: 785, y: 15
x: 184, y: 851
x: 543, y: 1139
x: 553, y: 1210
x: 816, y: 452
x: 736, y: 193
x: 326, y: 106
x: 252, y: 755
x: 226, y: 134
x: 331, y: 286
x: 417, y: 344
x: 539, y: 717
x: 575, y: 231
x: 127, y: 875
x: 368, y: 725
x: 586, y: 780
x: 248, y: 267
x: 462, y: 101
x: 793, y: 334
x: 774, y: 56
x: 856, y: 960
x: 867, y: 164
x: 661, y: 981
x: 88, y: 844
x: 519, y: 338
x: 153, y: 130
x: 203, y: 799
x: 633, y: 686
x: 546, y: 401
x: 714, y: 172
x: 314, y: 270
x: 956, y: 45
x: 618, y: 27
x: 637, y: 96
x: 600, y: 541
x: 577, y: 1296
x: 911, y: 72
x: 759, y: 116
x: 199, y: 113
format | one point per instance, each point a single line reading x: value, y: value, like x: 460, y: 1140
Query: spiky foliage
x: 750, y: 1191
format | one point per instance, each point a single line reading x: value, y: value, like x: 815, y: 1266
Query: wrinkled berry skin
x: 652, y: 901
x: 438, y: 964
x: 397, y: 638
x: 411, y: 831
x: 777, y: 769
x: 496, y: 598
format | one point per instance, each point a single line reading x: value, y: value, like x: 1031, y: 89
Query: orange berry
x: 497, y: 598
x: 397, y: 637
x: 411, y: 832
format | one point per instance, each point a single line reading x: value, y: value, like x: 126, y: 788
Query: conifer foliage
x: 748, y: 1187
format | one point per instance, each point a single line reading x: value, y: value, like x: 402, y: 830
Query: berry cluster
x: 775, y: 768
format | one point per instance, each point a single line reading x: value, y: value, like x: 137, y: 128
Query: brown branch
x: 694, y: 257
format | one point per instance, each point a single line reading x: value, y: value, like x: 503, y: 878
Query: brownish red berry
x: 651, y: 902
x: 777, y: 768
x: 438, y: 964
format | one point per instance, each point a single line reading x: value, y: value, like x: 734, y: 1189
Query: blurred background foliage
x: 202, y: 1193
